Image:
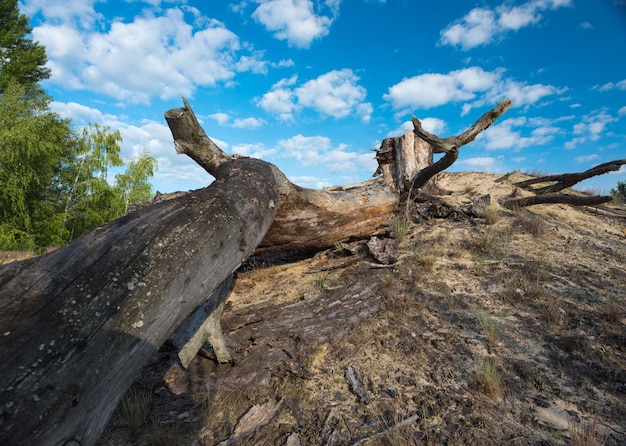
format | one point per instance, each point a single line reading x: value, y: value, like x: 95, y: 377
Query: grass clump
x: 135, y: 407
x: 530, y: 224
x: 490, y: 215
x: 491, y: 329
x: 489, y: 378
x: 611, y: 310
x: 400, y: 229
x: 586, y: 434
x: 487, y: 244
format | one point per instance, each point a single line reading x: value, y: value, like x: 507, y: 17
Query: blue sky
x: 313, y: 85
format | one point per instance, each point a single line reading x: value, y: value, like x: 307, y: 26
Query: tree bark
x: 565, y: 180
x: 556, y: 198
x: 79, y: 323
x: 547, y: 194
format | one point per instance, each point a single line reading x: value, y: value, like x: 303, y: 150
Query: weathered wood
x: 306, y: 218
x: 79, y: 323
x: 204, y: 327
x: 574, y: 200
x: 450, y: 146
x: 565, y: 180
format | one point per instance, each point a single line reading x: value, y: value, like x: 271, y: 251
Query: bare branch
x: 191, y: 140
x: 566, y: 180
x: 555, y: 198
x: 445, y: 145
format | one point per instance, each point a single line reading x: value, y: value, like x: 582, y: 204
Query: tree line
x: 56, y: 182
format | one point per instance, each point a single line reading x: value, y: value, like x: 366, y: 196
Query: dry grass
x: 586, y: 434
x: 491, y: 328
x: 135, y: 407
x: 612, y: 310
x: 486, y: 244
x: 530, y: 224
x: 489, y: 378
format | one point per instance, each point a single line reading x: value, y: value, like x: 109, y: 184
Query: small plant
x: 320, y: 282
x: 489, y: 378
x: 425, y: 258
x: 135, y: 407
x: 491, y: 329
x: 586, y: 434
x: 484, y: 244
x: 338, y: 248
x: 530, y: 224
x: 400, y: 229
x: 490, y: 215
x: 611, y: 310
x: 555, y: 315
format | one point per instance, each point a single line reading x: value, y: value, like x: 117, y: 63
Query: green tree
x: 134, y: 183
x: 33, y: 140
x: 22, y: 61
x: 90, y: 199
x: 619, y: 194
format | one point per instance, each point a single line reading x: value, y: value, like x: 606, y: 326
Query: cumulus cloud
x: 483, y: 25
x: 319, y: 151
x: 482, y: 163
x: 465, y: 85
x: 590, y: 128
x: 294, y: 20
x: 336, y: 94
x: 434, y: 89
x: 147, y: 57
x: 519, y: 133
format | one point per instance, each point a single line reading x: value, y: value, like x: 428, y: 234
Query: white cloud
x: 319, y: 151
x: 293, y: 20
x: 310, y: 182
x: 483, y: 25
x: 590, y: 128
x: 248, y: 123
x: 622, y: 111
x: 482, y: 163
x: 257, y: 150
x: 336, y: 94
x: 587, y: 158
x: 221, y: 118
x: 149, y: 56
x: 434, y: 125
x: 509, y: 134
x: 80, y: 12
x: 621, y: 85
x: 435, y: 89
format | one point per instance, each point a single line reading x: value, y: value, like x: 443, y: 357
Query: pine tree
x: 22, y: 61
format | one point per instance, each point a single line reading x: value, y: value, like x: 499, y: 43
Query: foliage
x: 22, y: 61
x: 32, y: 141
x: 619, y: 193
x: 54, y: 181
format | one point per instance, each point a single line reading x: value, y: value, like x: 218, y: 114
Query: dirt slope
x: 509, y: 329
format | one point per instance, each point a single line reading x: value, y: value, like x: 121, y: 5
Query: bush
x: 619, y: 194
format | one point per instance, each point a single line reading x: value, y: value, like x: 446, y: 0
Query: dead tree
x: 549, y: 193
x: 77, y: 324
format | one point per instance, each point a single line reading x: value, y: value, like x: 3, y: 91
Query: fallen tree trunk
x: 78, y: 324
x: 547, y: 194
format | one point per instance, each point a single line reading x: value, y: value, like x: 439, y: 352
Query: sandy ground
x: 508, y: 329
